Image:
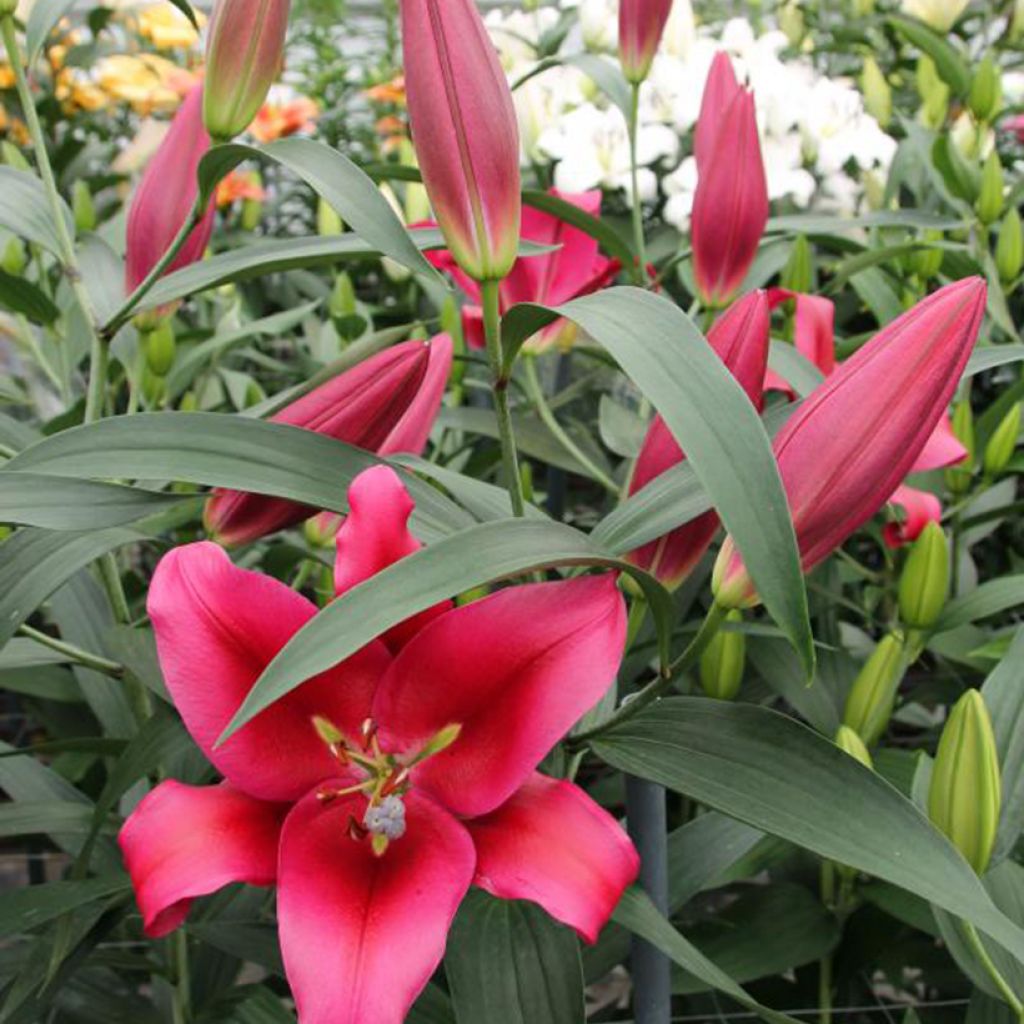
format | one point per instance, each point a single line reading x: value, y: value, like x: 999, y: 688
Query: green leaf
x: 34, y: 563
x: 989, y: 358
x: 225, y: 451
x: 22, y: 910
x: 712, y: 420
x: 23, y: 653
x: 42, y: 19
x: 186, y: 8
x: 43, y: 817
x: 600, y: 230
x: 952, y: 69
x: 471, y: 558
x: 794, y: 368
x: 836, y: 224
x: 62, y: 503
x: 341, y: 183
x: 25, y: 211
x: 988, y: 599
x: 21, y: 296
x: 509, y: 963
x: 773, y: 773
x: 607, y: 76
x: 637, y: 913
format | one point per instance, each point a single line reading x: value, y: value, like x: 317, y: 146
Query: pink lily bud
x: 641, y: 25
x: 243, y: 57
x: 720, y: 89
x: 465, y: 133
x: 730, y: 205
x: 846, y: 449
x: 740, y: 338
x: 386, y: 404
x: 165, y: 196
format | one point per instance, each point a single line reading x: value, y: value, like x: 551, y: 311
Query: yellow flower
x: 148, y: 82
x: 77, y: 91
x: 167, y: 28
x: 6, y: 76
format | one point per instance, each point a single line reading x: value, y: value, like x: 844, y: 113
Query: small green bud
x: 791, y: 21
x: 877, y: 94
x: 254, y: 394
x: 1003, y: 442
x: 933, y: 91
x: 986, y: 96
x: 723, y: 661
x: 82, y: 207
x: 924, y: 582
x: 926, y: 262
x: 252, y: 209
x: 798, y: 273
x: 965, y: 795
x: 160, y: 348
x: 850, y: 743
x: 342, y: 302
x: 958, y: 477
x: 1010, y: 247
x: 322, y: 529
x: 14, y: 258
x: 872, y: 697
x: 13, y: 157
x: 328, y: 222
x: 189, y: 402
x: 152, y: 385
x: 8, y: 7
x: 990, y: 199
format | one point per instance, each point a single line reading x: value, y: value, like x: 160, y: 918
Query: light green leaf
x: 988, y: 599
x: 794, y: 368
x: 25, y: 211
x: 952, y: 69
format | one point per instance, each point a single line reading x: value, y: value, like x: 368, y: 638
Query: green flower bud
x: 798, y: 273
x: 252, y: 209
x: 986, y: 96
x: 1010, y: 247
x: 990, y: 199
x: 964, y: 797
x: 189, y: 402
x: 877, y: 94
x: 872, y: 697
x: 723, y: 661
x: 926, y: 262
x: 14, y: 258
x: 933, y: 91
x: 958, y: 477
x: 850, y: 743
x: 328, y: 222
x: 1003, y: 442
x: 791, y: 21
x: 924, y: 583
x: 342, y: 302
x: 82, y: 207
x: 160, y: 348
x: 152, y: 385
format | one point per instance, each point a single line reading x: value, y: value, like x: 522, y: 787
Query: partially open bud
x: 958, y: 477
x: 850, y: 743
x: 243, y: 57
x: 924, y: 583
x: 641, y: 25
x: 1003, y: 442
x: 990, y: 199
x: 965, y: 794
x: 723, y: 661
x: 1010, y: 247
x: 872, y: 697
x: 986, y: 96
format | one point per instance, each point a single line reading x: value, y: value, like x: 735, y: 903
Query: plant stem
x: 75, y: 654
x: 499, y: 387
x: 828, y: 897
x: 640, y: 269
x: 979, y: 950
x: 182, y: 1008
x: 536, y: 392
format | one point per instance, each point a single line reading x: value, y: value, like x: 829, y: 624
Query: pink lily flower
x: 849, y: 445
x: 730, y: 205
x: 386, y: 404
x: 740, y: 338
x: 575, y: 268
x: 465, y: 132
x: 375, y: 794
x: 165, y: 196
x: 641, y: 26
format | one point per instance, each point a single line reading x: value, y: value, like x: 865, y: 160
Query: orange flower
x: 240, y: 185
x: 278, y: 120
x: 393, y: 132
x: 388, y: 92
x: 6, y: 76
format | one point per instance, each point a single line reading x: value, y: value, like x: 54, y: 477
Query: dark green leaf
x: 988, y: 599
x: 952, y: 69
x: 24, y: 909
x: 25, y: 819
x: 21, y: 296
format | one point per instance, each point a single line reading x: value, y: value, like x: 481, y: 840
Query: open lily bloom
x: 573, y: 267
x: 375, y: 794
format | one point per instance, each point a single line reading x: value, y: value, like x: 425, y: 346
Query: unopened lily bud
x: 965, y: 793
x: 927, y: 261
x: 933, y: 91
x: 990, y: 199
x: 160, y: 348
x: 877, y: 94
x: 798, y: 273
x: 924, y: 583
x: 958, y: 477
x: 14, y: 259
x: 641, y: 26
x: 243, y: 57
x: 1010, y: 247
x: 791, y: 21
x: 152, y: 385
x: 940, y: 15
x: 252, y: 209
x: 82, y: 207
x: 328, y: 222
x: 850, y: 743
x: 322, y: 529
x: 1003, y: 442
x: 189, y: 402
x: 723, y: 661
x: 872, y: 697
x: 342, y: 302
x: 986, y: 96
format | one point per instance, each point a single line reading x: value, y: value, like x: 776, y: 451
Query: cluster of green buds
x: 723, y: 660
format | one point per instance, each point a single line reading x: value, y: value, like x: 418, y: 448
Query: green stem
x: 660, y: 686
x: 499, y: 386
x: 182, y: 1003
x: 549, y: 419
x: 979, y: 950
x: 640, y: 270
x: 75, y: 654
x: 828, y: 898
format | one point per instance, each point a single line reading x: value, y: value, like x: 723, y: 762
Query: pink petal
x: 376, y: 535
x: 217, y: 627
x: 920, y: 508
x: 410, y: 433
x: 361, y: 934
x: 720, y: 89
x: 181, y: 842
x: 516, y: 670
x: 943, y: 448
x: 552, y: 844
